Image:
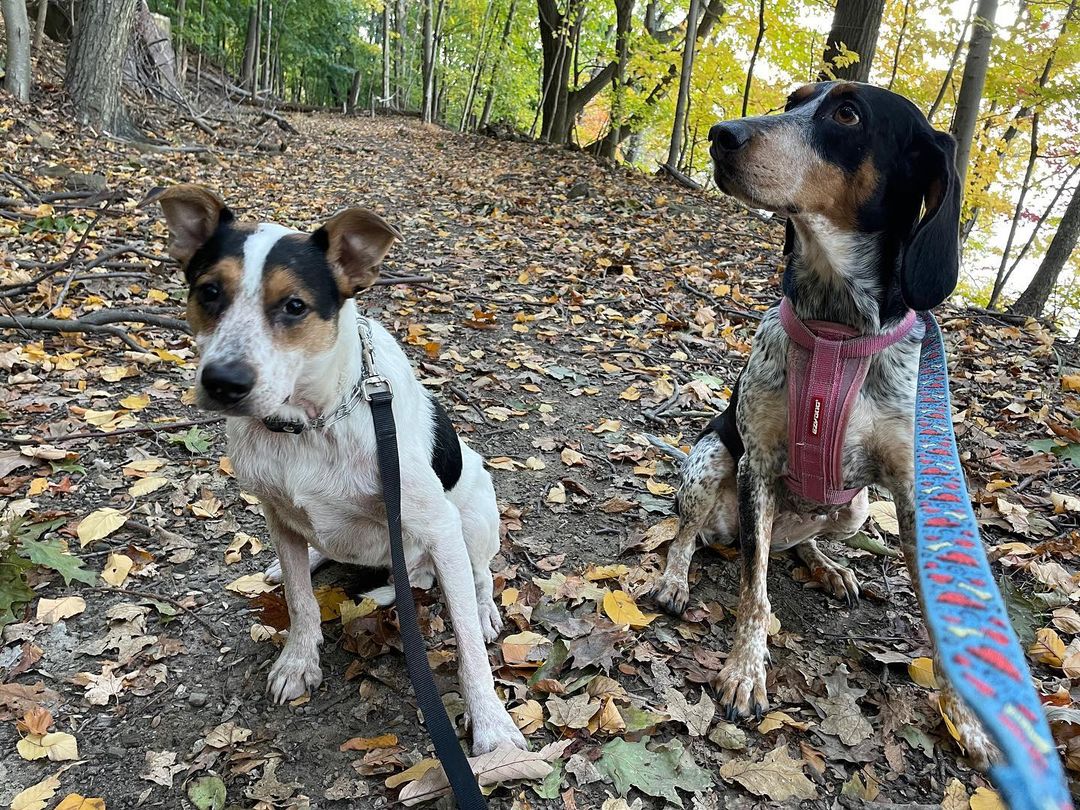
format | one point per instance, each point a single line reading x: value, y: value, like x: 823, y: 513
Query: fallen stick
x: 157, y: 597
x: 103, y: 434
x: 57, y: 325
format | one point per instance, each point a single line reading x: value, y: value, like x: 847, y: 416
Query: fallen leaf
x: 841, y: 711
x: 1048, y: 648
x: 251, y: 585
x: 368, y: 743
x: 986, y: 799
x: 117, y: 568
x: 161, y: 767
x: 696, y: 717
x: 73, y: 801
x: 58, y: 746
x: 921, y: 670
x: 622, y: 610
x: 36, y: 797
x: 528, y: 717
x: 50, y: 611
x: 777, y: 776
x: 144, y: 486
x: 99, y: 525
x: 576, y: 712
x: 659, y: 771
x: 884, y: 515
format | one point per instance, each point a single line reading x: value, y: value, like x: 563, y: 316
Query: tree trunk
x: 855, y: 27
x: 753, y: 60
x: 39, y: 28
x: 971, y: 86
x: 17, y: 66
x: 557, y: 36
x: 683, y: 102
x: 1033, y: 300
x: 247, y: 73
x: 477, y: 68
x: 400, y: 79
x: 624, y: 18
x: 899, y: 44
x: 1002, y: 277
x: 354, y: 92
x: 947, y: 81
x: 1042, y: 219
x: 95, y: 61
x: 386, y: 54
x: 427, y: 107
x: 489, y: 99
x: 268, y: 51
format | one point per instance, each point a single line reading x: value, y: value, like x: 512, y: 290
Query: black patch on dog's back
x: 726, y: 427
x: 446, y: 450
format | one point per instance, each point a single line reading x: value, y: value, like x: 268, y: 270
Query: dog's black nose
x: 228, y: 383
x: 730, y: 136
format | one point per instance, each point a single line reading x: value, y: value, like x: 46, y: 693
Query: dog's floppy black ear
x: 931, y: 260
x: 356, y: 241
x: 192, y: 213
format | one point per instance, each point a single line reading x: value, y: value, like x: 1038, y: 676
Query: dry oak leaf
x: 1048, y: 648
x: 841, y: 711
x: 575, y: 712
x: 777, y: 776
x: 58, y: 746
x: 696, y: 717
x: 528, y: 717
x: 99, y: 525
x: 36, y: 797
x: 161, y: 767
x: 622, y: 610
x: 73, y: 801
x: 50, y: 611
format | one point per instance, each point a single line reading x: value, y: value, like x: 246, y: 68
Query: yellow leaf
x: 225, y: 465
x: 777, y: 719
x: 73, y: 801
x: 57, y: 746
x: 986, y: 799
x: 631, y: 394
x: 413, y: 773
x: 143, y: 465
x: 774, y: 624
x: 135, y: 402
x: 509, y: 596
x: 621, y: 609
x: 329, y: 598
x: 368, y: 743
x: 234, y: 553
x: 50, y: 611
x: 525, y: 649
x: 37, y: 796
x: 1048, y: 647
x: 572, y: 458
x: 557, y: 494
x: 884, y: 515
x: 157, y: 295
x: 659, y: 488
x: 144, y: 486
x: 1070, y: 382
x: 596, y: 573
x: 117, y: 568
x: 250, y: 585
x: 528, y: 717
x: 921, y: 670
x: 350, y: 611
x: 37, y: 486
x: 98, y: 418
x: 30, y: 747
x: 99, y: 525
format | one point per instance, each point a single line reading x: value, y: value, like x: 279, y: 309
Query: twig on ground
x: 101, y: 434
x: 157, y: 597
x: 58, y: 325
x: 666, y: 448
x: 28, y: 192
x: 461, y: 396
x: 386, y: 281
x: 734, y: 314
x: 72, y: 260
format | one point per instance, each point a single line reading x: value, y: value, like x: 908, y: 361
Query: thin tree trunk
x: 268, y: 52
x: 257, y: 62
x: 1002, y: 277
x: 247, y: 72
x: 39, y: 28
x: 971, y: 86
x: 1033, y: 300
x: 428, y: 66
x: 899, y: 43
x: 947, y: 81
x: 95, y: 62
x: 855, y: 26
x: 489, y: 99
x: 181, y: 50
x: 624, y: 18
x: 753, y: 56
x: 400, y: 79
x: 474, y: 76
x: 386, y: 53
x: 354, y: 92
x: 1042, y: 219
x: 17, y: 64
x: 683, y: 101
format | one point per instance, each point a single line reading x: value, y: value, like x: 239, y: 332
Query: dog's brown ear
x: 356, y: 241
x: 192, y: 213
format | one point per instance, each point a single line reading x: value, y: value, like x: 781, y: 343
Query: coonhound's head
x: 860, y: 159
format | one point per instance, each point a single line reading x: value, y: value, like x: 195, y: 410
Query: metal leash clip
x: 372, y: 382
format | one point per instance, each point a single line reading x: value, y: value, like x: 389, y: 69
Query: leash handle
x: 977, y: 647
x: 454, y: 762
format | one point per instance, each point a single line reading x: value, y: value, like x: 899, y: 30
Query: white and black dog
x: 872, y: 201
x: 274, y: 318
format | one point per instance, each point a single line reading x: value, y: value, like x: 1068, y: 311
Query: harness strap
x: 447, y: 748
x: 977, y: 648
x: 827, y: 366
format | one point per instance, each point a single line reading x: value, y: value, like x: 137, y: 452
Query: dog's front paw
x: 496, y: 731
x: 295, y: 673
x: 980, y: 750
x: 491, y: 623
x: 837, y: 579
x: 671, y: 594
x: 741, y: 688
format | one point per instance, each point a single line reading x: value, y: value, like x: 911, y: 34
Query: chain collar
x: 369, y: 384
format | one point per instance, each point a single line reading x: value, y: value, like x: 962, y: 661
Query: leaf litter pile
x: 566, y: 308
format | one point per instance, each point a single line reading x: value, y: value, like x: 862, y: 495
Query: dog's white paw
x: 295, y: 673
x: 316, y: 560
x: 491, y: 622
x: 494, y: 731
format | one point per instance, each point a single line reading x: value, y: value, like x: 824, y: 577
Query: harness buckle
x: 375, y: 384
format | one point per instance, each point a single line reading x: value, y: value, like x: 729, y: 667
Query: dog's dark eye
x: 208, y: 293
x: 847, y: 115
x: 294, y: 307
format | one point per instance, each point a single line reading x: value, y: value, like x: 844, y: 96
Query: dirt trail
x: 574, y: 305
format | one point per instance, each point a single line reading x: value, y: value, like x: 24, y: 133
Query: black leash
x: 455, y: 764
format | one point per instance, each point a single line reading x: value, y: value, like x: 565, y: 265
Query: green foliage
x: 196, y: 441
x: 22, y: 548
x: 656, y: 772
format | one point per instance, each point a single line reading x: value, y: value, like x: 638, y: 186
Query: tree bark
x: 952, y: 65
x: 557, y: 43
x: 1002, y: 277
x: 354, y: 93
x: 95, y: 62
x: 17, y: 64
x: 971, y: 85
x: 683, y: 101
x: 624, y: 18
x: 489, y: 99
x: 753, y: 57
x: 427, y: 107
x: 247, y: 73
x: 1033, y: 300
x: 400, y: 79
x: 386, y: 53
x: 39, y: 28
x: 477, y: 68
x: 855, y: 26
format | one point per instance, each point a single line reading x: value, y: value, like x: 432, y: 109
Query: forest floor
x: 574, y: 306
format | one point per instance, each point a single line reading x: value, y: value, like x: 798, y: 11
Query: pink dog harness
x: 827, y: 365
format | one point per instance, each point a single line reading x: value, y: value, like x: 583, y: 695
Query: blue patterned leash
x: 965, y: 613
